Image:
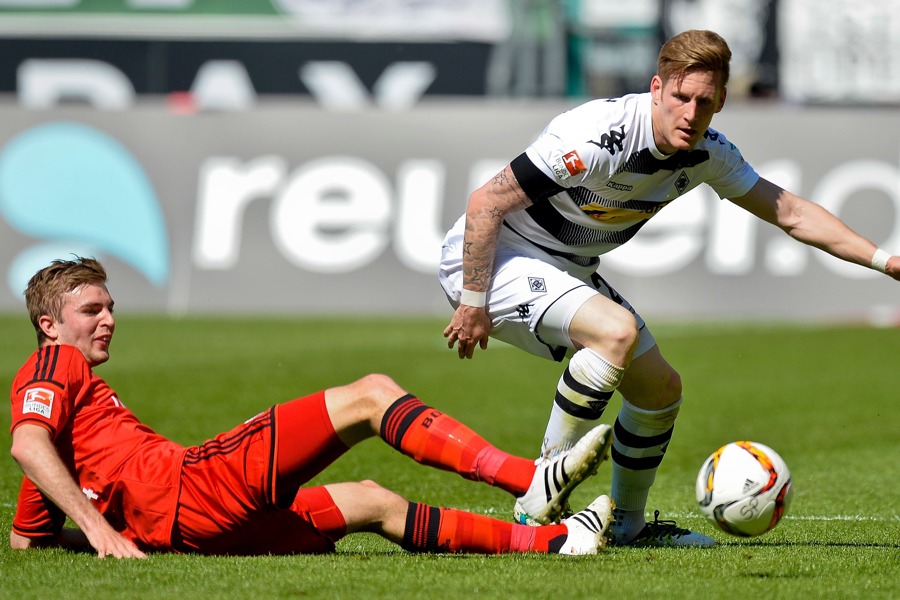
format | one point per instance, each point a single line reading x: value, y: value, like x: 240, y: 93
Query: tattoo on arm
x: 483, y: 223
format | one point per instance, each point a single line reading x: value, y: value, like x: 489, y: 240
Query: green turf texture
x: 824, y: 397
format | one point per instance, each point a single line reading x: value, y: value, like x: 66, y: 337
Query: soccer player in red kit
x: 130, y: 491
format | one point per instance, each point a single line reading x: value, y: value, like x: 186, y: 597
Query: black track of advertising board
x: 159, y: 66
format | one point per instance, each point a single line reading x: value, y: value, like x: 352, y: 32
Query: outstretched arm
x: 33, y: 449
x: 811, y: 224
x: 471, y: 325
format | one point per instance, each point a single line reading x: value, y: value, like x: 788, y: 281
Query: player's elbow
x: 16, y: 451
x: 479, y: 204
x: 27, y: 441
x: 796, y: 216
x: 20, y: 450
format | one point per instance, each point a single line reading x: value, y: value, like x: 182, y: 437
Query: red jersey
x: 129, y: 472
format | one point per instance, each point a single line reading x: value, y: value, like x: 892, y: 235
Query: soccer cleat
x: 588, y: 530
x: 547, y: 497
x: 666, y: 534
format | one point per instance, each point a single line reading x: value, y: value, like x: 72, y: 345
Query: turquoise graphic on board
x: 79, y: 191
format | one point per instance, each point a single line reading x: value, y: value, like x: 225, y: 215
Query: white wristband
x: 880, y: 260
x: 470, y: 298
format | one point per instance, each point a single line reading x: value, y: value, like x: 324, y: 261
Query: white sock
x: 583, y: 391
x: 641, y: 438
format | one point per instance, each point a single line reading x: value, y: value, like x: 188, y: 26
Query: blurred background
x: 306, y: 156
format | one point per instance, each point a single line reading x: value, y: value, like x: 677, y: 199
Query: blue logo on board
x: 79, y: 191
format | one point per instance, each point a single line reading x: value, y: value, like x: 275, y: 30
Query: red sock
x: 432, y: 529
x: 546, y: 538
x: 438, y: 440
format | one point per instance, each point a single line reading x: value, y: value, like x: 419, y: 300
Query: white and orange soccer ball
x: 744, y: 488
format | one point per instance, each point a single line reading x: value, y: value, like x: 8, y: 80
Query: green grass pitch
x: 824, y: 397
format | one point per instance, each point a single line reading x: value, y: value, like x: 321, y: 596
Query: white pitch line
x: 788, y: 517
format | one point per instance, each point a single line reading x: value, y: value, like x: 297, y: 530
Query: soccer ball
x: 744, y: 488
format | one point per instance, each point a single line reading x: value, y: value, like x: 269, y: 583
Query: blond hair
x: 46, y: 288
x: 692, y: 51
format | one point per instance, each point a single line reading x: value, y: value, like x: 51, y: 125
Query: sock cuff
x: 398, y: 418
x: 422, y: 525
x: 650, y: 417
x: 589, y: 368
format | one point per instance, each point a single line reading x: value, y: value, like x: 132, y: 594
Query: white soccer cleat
x: 547, y: 496
x: 666, y: 534
x: 589, y: 528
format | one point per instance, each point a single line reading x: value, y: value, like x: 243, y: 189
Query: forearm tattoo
x: 483, y: 228
x: 478, y: 252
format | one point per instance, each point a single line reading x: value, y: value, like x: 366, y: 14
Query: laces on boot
x: 662, y: 529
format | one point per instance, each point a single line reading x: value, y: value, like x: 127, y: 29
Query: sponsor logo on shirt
x: 568, y: 165
x: 622, y: 187
x: 38, y: 401
x: 612, y: 141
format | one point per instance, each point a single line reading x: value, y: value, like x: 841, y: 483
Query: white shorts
x: 533, y: 294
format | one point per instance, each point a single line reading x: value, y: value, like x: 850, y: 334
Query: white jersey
x: 596, y: 177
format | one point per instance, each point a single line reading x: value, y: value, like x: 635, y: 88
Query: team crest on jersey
x: 38, y: 401
x: 682, y: 182
x: 537, y: 285
x: 568, y: 165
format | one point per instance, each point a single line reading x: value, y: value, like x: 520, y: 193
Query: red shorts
x: 240, y: 492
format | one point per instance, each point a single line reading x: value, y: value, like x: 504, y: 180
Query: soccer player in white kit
x: 521, y: 264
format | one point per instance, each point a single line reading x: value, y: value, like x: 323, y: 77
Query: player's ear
x: 48, y: 327
x: 656, y: 85
x: 722, y: 95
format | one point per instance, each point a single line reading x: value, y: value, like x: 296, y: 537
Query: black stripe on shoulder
x: 532, y: 180
x: 45, y: 367
x: 47, y: 358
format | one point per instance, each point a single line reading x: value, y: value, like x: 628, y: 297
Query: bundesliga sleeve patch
x: 38, y: 401
x: 568, y: 165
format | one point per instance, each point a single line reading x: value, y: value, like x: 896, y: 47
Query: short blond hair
x: 46, y: 288
x: 694, y: 50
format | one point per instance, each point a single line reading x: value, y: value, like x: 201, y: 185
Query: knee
x: 377, y: 384
x: 651, y: 383
x: 623, y: 330
x: 379, y: 498
x: 617, y: 331
x: 666, y: 390
x: 672, y: 389
x: 374, y: 393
